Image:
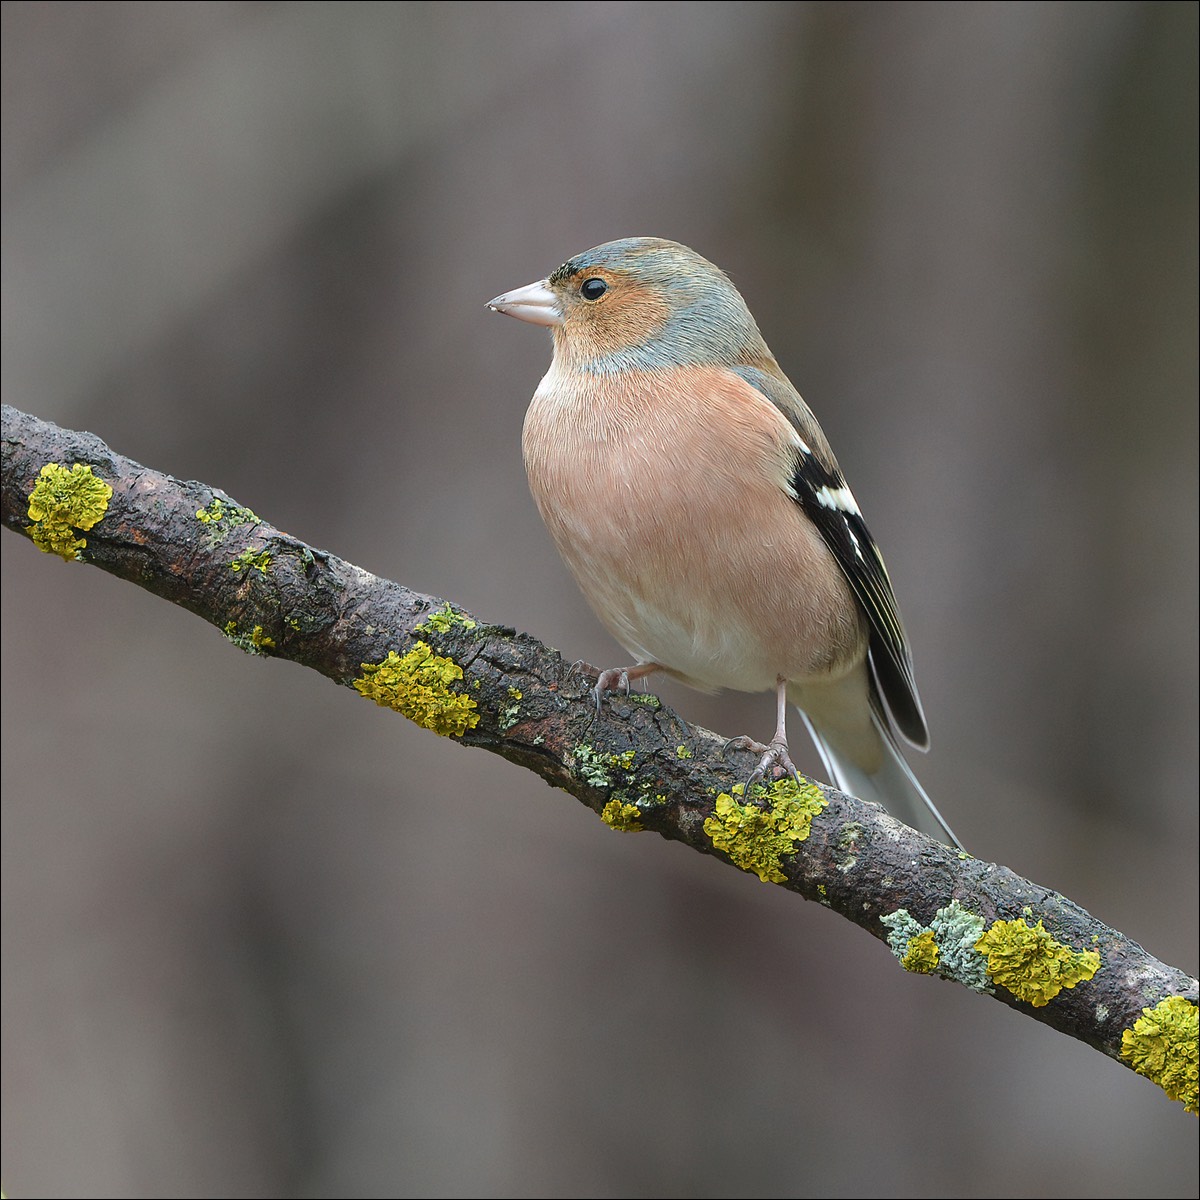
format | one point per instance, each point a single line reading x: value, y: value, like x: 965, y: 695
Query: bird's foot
x: 776, y: 760
x: 614, y: 679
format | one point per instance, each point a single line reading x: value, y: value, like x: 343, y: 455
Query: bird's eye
x: 593, y: 289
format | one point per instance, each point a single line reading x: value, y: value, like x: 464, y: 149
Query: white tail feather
x: 893, y: 785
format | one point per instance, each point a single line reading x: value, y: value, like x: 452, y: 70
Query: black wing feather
x: 819, y: 487
x: 826, y: 500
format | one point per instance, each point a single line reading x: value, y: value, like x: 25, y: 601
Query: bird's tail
x: 891, y: 783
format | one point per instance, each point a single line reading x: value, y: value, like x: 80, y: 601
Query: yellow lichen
x: 251, y: 560
x: 682, y: 752
x: 232, y: 514
x: 512, y: 710
x: 1026, y: 961
x: 921, y: 954
x: 257, y: 641
x: 63, y: 501
x: 616, y: 814
x: 759, y: 839
x: 1162, y: 1045
x: 444, y: 619
x: 418, y: 685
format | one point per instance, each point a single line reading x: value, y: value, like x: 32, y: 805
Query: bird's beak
x: 534, y: 302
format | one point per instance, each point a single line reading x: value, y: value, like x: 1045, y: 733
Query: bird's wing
x: 818, y: 486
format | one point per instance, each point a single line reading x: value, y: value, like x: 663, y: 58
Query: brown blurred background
x: 262, y: 939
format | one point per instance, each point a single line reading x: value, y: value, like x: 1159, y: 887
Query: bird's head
x: 641, y: 303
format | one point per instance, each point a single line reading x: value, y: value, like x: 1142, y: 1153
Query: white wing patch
x: 796, y: 439
x: 841, y: 499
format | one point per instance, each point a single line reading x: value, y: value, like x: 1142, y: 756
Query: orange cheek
x: 633, y: 316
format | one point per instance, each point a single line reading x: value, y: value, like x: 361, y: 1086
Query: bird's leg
x: 621, y: 677
x: 775, y: 754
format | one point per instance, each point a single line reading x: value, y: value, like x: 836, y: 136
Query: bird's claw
x: 775, y: 758
x: 606, y: 681
x: 580, y: 665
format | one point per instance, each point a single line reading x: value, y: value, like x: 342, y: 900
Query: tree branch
x: 634, y: 761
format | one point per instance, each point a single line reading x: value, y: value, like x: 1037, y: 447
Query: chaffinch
x: 699, y: 506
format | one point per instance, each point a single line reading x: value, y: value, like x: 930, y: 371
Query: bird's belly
x: 707, y: 614
x: 693, y: 562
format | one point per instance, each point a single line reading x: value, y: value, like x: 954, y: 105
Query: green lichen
x: 595, y: 768
x: 647, y: 794
x: 616, y: 814
x: 255, y: 642
x: 847, y: 846
x: 418, y: 685
x: 591, y: 766
x: 512, y: 710
x: 682, y: 752
x: 945, y: 947
x: 1162, y: 1045
x: 902, y: 927
x: 220, y: 511
x: 251, y: 560
x: 1026, y: 961
x: 757, y: 839
x: 62, y: 502
x: 445, y: 619
x: 956, y: 930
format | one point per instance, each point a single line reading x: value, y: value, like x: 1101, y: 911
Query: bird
x: 697, y: 503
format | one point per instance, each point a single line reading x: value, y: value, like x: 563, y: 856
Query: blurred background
x: 263, y: 939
